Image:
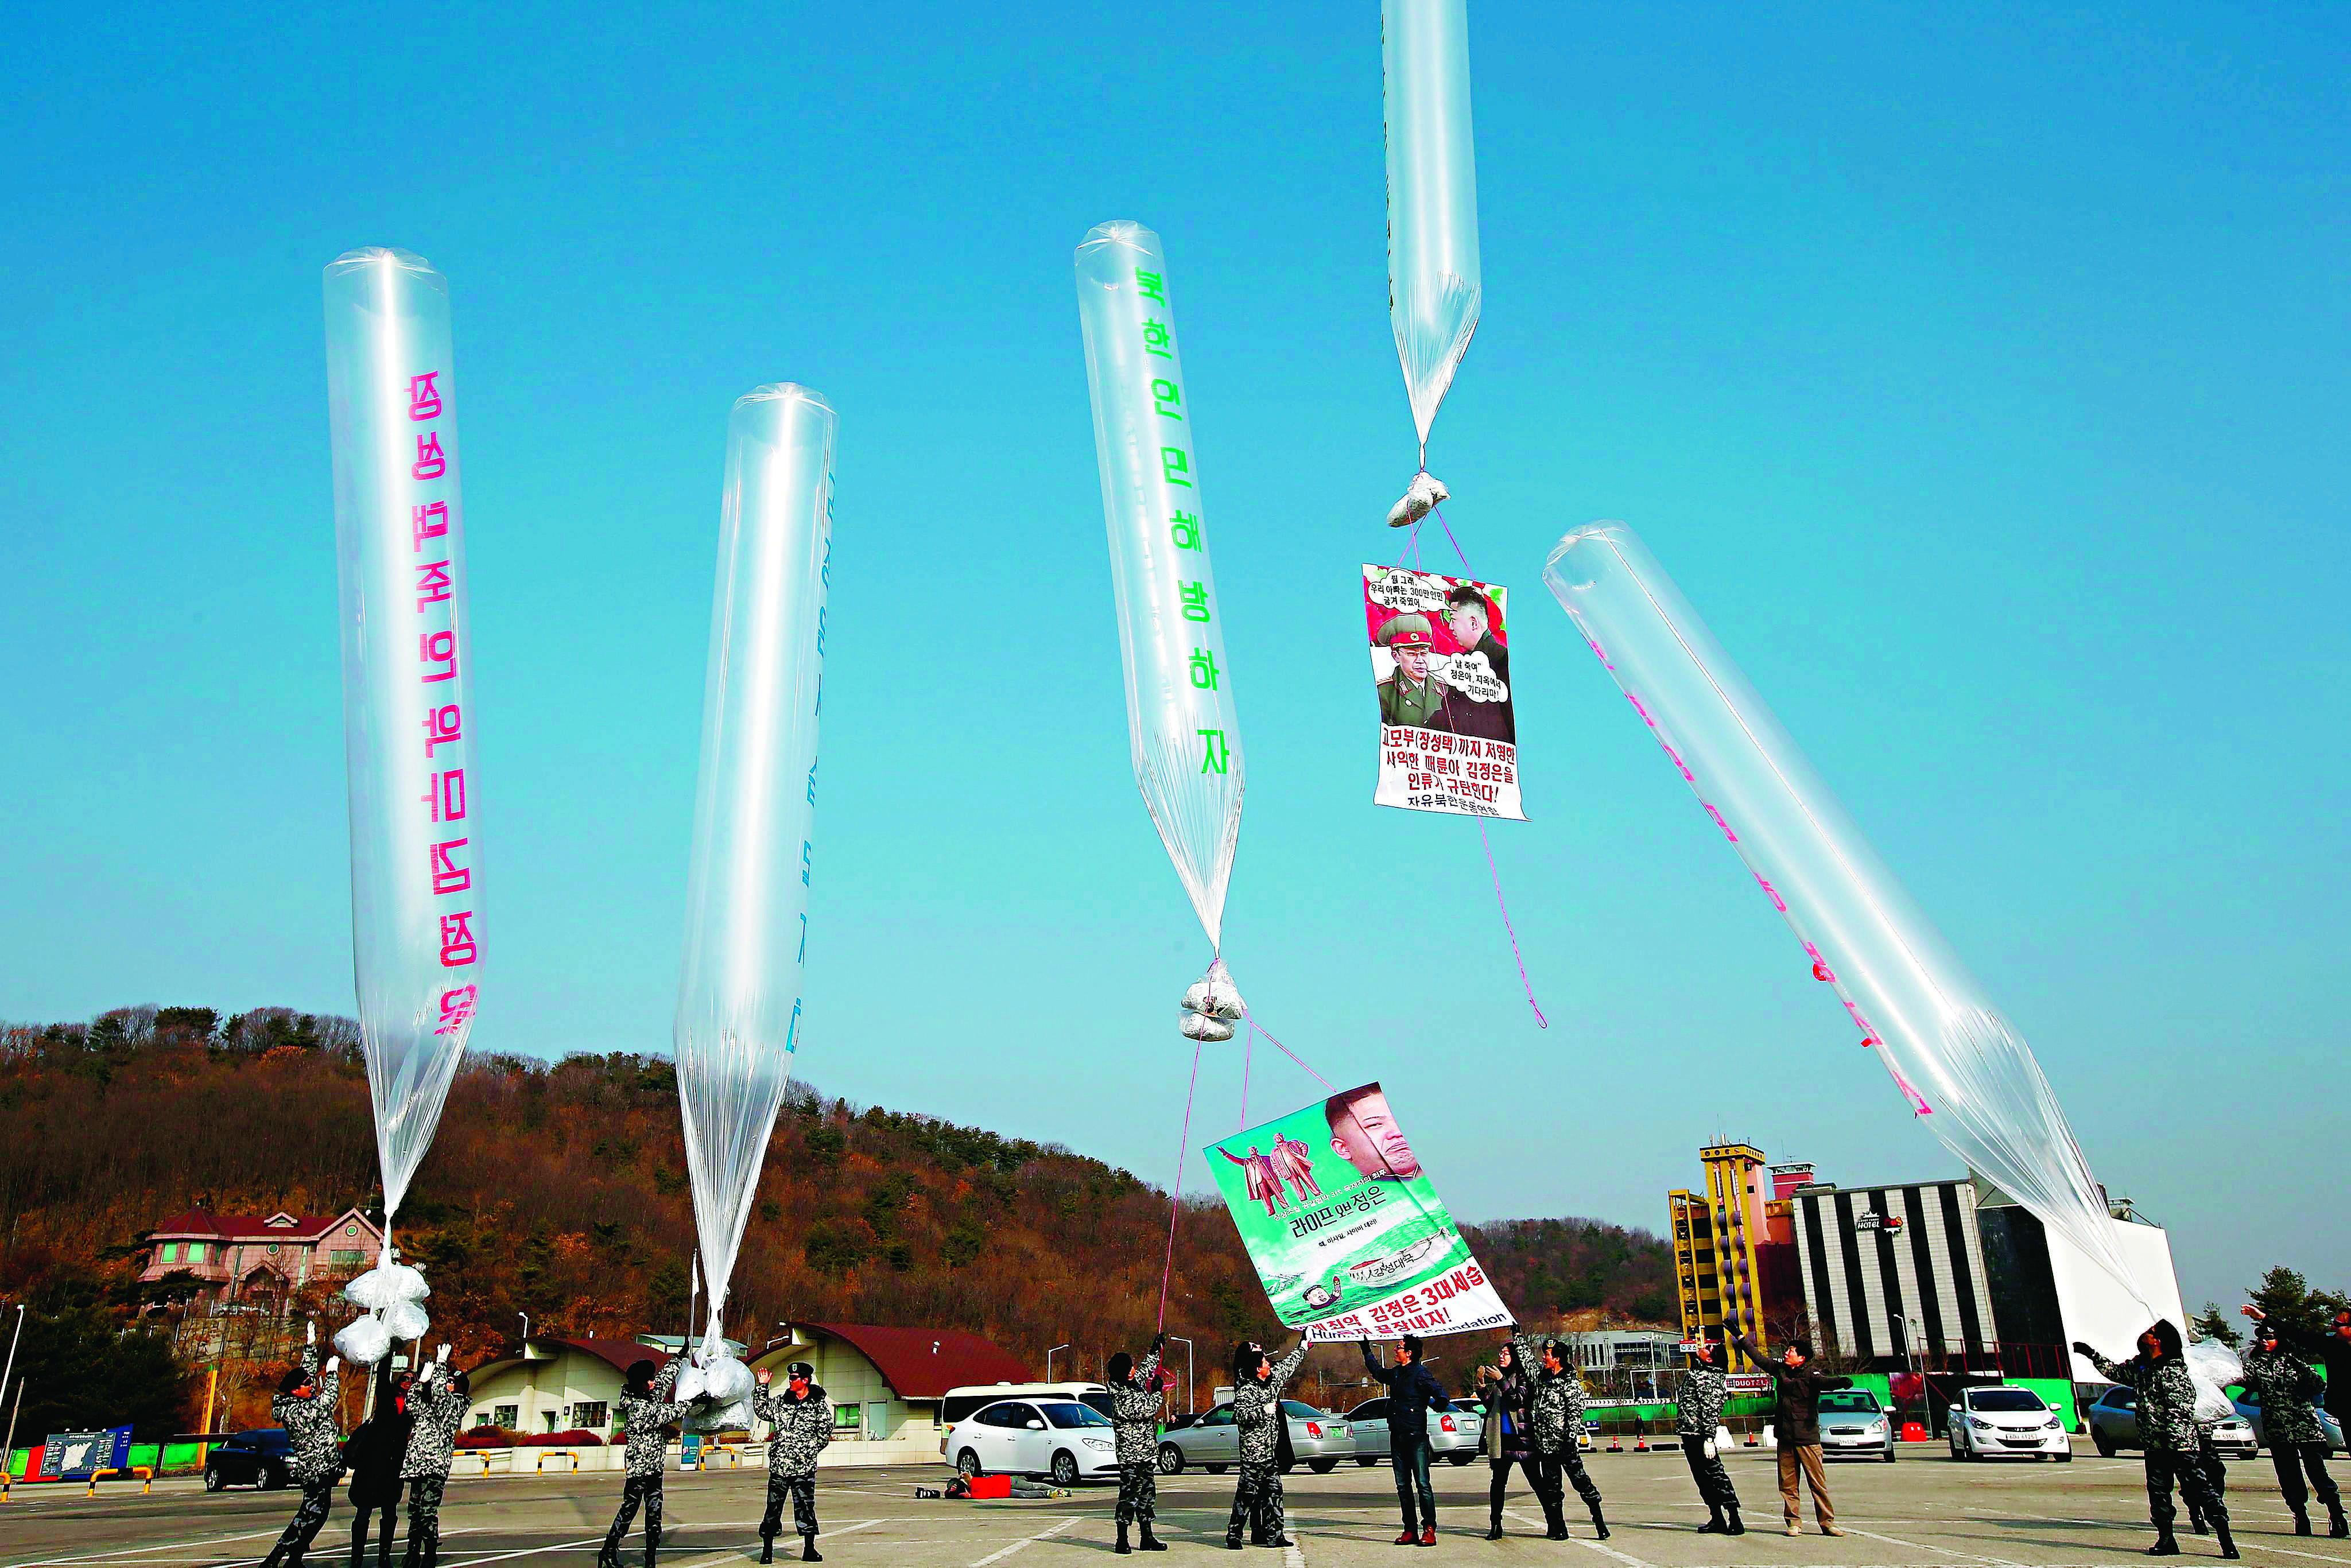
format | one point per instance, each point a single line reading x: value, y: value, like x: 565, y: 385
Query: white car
x: 1058, y: 1437
x: 2001, y: 1419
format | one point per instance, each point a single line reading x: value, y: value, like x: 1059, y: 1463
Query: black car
x: 255, y: 1459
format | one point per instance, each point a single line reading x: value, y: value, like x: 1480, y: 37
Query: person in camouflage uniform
x: 803, y: 1419
x: 304, y: 1406
x: 1258, y: 1383
x: 645, y: 1408
x: 1135, y: 1397
x: 2166, y: 1433
x: 1705, y: 1389
x: 437, y: 1408
x: 2288, y: 1387
x: 1555, y: 1425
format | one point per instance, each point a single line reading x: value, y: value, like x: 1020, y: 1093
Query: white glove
x: 333, y: 1361
x: 424, y: 1378
x: 1710, y: 1448
x: 310, y: 1332
x: 443, y: 1354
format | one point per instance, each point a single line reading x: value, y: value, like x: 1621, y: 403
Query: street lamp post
x: 526, y: 1329
x: 12, y: 1355
x: 1048, y: 1360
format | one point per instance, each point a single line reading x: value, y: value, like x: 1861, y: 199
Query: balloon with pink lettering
x: 1183, y: 733
x: 1962, y: 1067
x: 739, y: 1000
x: 410, y: 723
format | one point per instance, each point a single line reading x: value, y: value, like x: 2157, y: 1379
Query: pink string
x: 1175, y: 1202
x: 1541, y: 1021
x: 1257, y: 1028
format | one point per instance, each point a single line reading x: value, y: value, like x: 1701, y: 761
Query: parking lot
x: 1924, y: 1509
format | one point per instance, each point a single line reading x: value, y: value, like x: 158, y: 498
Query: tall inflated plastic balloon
x: 409, y: 720
x: 1434, y: 283
x: 1182, y: 730
x: 1962, y: 1067
x: 738, y: 1000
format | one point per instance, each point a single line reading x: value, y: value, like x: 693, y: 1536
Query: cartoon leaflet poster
x: 1441, y: 669
x: 1344, y: 1227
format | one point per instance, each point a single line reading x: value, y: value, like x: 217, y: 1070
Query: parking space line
x: 1030, y: 1541
x: 1930, y: 1551
x: 144, y: 1550
x: 1629, y: 1561
x: 529, y: 1552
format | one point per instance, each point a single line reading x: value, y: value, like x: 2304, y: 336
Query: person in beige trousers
x: 1796, y: 1387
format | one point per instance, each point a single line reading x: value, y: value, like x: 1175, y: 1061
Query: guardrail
x: 481, y: 1454
x: 546, y: 1454
x: 712, y: 1450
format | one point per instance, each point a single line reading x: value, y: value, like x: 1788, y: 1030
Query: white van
x: 961, y: 1403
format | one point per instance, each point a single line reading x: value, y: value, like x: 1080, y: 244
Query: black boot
x: 1733, y: 1527
x: 1599, y: 1525
x: 2337, y: 1526
x: 1122, y: 1549
x: 1713, y: 1526
x: 2227, y: 1543
x: 2301, y: 1521
x: 1232, y: 1541
x: 1151, y: 1542
x: 1555, y: 1522
x: 2196, y: 1521
x: 1494, y: 1530
x: 607, y: 1558
x: 808, y: 1553
x: 2165, y: 1545
x: 652, y: 1548
x: 766, y: 1547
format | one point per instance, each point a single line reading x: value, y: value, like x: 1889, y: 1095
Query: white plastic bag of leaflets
x: 2211, y: 1367
x: 1215, y: 996
x: 722, y: 1392
x: 363, y: 1341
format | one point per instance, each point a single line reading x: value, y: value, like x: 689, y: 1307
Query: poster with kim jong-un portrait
x: 1441, y: 669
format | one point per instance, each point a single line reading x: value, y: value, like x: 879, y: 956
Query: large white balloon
x: 409, y: 720
x: 1182, y: 729
x: 1434, y: 285
x: 1962, y: 1067
x: 739, y: 997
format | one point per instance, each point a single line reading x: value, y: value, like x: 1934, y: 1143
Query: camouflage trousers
x: 1714, y: 1487
x: 425, y: 1519
x: 1138, y: 1491
x: 803, y: 1493
x: 2163, y: 1467
x: 2291, y: 1461
x: 1257, y: 1503
x: 636, y: 1489
x: 318, y: 1497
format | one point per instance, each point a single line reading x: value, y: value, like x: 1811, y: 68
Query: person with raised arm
x: 645, y: 1409
x: 2166, y: 1433
x: 1796, y: 1389
x: 1135, y: 1397
x: 1412, y: 1395
x: 2288, y: 1387
x: 1555, y: 1418
x: 1705, y: 1389
x: 437, y: 1408
x: 374, y: 1454
x: 1257, y: 1384
x: 803, y: 1420
x: 305, y: 1405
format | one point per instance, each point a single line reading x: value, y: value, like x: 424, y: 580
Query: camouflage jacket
x: 2288, y: 1389
x: 2167, y: 1400
x: 1256, y: 1407
x: 803, y: 1427
x: 1704, y: 1391
x: 1555, y: 1411
x: 648, y: 1444
x: 1135, y: 1415
x: 436, y: 1411
x: 313, y: 1451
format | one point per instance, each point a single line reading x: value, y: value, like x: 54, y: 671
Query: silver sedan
x: 1214, y: 1441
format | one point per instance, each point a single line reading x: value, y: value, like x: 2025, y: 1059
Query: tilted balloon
x: 410, y: 724
x: 1182, y: 730
x: 740, y: 996
x: 1960, y: 1066
x: 1434, y: 285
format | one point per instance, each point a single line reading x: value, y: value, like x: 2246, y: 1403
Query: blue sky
x: 1980, y: 375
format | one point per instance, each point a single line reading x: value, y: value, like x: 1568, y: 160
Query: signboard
x: 78, y: 1456
x: 1345, y: 1228
x: 689, y: 1453
x: 1870, y: 1219
x: 1748, y: 1383
x: 1441, y: 671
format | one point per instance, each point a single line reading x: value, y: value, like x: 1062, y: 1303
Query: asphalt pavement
x: 1925, y: 1510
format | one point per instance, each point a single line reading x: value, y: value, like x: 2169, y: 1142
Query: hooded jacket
x: 2333, y: 1352
x: 2286, y: 1385
x: 1796, y: 1396
x: 803, y: 1427
x: 1554, y: 1404
x: 437, y: 1408
x: 312, y: 1450
x: 1706, y: 1387
x: 1134, y: 1414
x: 646, y: 1415
x: 1256, y: 1409
x: 2167, y: 1398
x: 1412, y: 1395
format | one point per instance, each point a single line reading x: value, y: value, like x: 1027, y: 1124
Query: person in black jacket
x: 374, y: 1454
x: 1412, y: 1395
x: 1796, y: 1390
x: 1504, y: 1390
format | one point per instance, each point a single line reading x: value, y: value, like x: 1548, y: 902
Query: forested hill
x: 559, y: 1189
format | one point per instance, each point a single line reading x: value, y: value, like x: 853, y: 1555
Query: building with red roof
x: 259, y: 1259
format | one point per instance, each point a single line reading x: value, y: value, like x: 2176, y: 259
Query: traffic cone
x: 1616, y: 1443
x: 1751, y: 1440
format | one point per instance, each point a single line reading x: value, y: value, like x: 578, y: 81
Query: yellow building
x: 1716, y: 1233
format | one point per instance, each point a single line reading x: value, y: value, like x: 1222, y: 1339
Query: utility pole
x: 8, y: 1448
x: 204, y: 1443
x: 11, y: 1369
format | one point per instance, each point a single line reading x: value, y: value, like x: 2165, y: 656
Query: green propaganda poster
x: 1345, y: 1228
